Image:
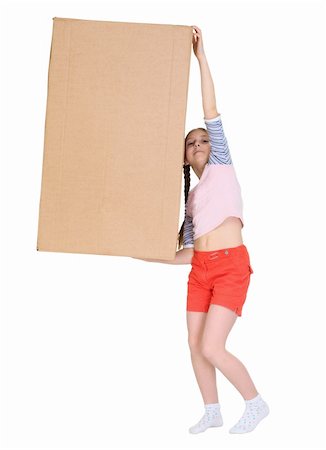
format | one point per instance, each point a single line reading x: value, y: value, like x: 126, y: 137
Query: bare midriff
x: 227, y: 234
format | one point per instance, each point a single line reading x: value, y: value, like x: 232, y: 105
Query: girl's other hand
x: 197, y: 42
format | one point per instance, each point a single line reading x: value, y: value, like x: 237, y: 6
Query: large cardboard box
x: 114, y: 138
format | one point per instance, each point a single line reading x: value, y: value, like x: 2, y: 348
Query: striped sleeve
x: 220, y: 153
x: 188, y: 233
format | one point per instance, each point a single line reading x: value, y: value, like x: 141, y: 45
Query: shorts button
x: 226, y: 252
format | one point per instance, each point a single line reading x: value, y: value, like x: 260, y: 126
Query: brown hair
x: 186, y: 174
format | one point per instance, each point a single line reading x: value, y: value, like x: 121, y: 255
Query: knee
x: 215, y: 354
x: 194, y: 344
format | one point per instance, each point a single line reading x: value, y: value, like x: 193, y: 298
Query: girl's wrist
x: 202, y: 58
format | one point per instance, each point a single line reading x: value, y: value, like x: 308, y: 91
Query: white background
x: 94, y: 350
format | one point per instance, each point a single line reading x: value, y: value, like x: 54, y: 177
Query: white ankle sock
x: 211, y: 418
x: 256, y: 410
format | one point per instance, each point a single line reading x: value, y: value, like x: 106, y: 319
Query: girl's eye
x: 190, y: 143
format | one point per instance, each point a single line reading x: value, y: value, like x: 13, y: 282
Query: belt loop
x: 213, y: 255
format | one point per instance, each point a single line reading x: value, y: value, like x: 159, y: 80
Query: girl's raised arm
x: 207, y: 85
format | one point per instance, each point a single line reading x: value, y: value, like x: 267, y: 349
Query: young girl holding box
x: 221, y: 268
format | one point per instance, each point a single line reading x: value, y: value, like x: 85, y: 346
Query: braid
x: 186, y: 173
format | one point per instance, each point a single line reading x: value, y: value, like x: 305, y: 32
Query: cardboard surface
x: 114, y: 138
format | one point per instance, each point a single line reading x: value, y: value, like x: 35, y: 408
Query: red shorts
x: 219, y: 276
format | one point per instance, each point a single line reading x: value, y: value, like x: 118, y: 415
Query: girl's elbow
x: 184, y: 256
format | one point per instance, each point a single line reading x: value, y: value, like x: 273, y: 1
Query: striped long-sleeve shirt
x: 217, y: 195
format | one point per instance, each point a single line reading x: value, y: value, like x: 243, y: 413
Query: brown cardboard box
x: 114, y: 138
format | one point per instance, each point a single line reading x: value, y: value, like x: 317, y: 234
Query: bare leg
x: 205, y: 371
x: 218, y: 324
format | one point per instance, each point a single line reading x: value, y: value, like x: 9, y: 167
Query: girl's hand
x: 197, y: 42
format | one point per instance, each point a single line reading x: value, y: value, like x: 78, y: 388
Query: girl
x: 221, y: 269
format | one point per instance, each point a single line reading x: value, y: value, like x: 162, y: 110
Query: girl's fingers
x: 196, y: 33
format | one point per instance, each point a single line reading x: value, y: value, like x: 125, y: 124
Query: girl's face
x: 197, y: 148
